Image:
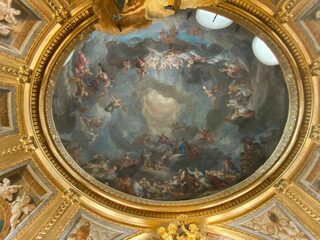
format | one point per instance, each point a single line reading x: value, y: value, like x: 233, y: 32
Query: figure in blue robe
x: 182, y: 148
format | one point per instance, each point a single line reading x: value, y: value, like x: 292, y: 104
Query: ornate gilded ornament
x: 48, y: 60
x: 315, y: 133
x: 9, y: 70
x: 24, y: 74
x: 180, y: 231
x: 70, y: 198
x: 283, y: 15
x: 61, y: 14
x: 27, y: 143
x: 315, y: 67
x: 282, y: 185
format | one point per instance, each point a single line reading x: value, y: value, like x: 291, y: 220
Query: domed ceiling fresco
x: 171, y: 112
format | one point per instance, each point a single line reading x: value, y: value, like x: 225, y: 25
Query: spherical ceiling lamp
x: 263, y: 52
x: 212, y: 20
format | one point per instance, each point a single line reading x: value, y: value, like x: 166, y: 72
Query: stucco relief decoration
x: 7, y: 16
x: 85, y: 226
x: 273, y: 222
x: 21, y: 193
x: 18, y: 23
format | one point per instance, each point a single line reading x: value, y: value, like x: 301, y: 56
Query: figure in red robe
x: 82, y: 65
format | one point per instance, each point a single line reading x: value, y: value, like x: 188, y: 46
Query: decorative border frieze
x: 9, y: 70
x: 27, y: 144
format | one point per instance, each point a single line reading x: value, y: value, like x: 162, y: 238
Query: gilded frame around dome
x: 259, y: 22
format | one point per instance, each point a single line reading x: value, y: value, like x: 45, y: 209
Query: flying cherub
x: 115, y: 103
x: 7, y: 190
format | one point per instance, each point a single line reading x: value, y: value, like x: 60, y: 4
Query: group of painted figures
x: 19, y: 202
x: 122, y: 174
x: 239, y: 91
x: 157, y: 154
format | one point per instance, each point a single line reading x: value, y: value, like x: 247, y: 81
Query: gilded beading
x: 70, y: 198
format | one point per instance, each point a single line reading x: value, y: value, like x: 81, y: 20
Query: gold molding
x: 315, y: 133
x: 70, y: 198
x: 8, y: 70
x: 24, y: 74
x: 61, y: 14
x: 283, y: 14
x: 26, y: 143
x: 315, y: 67
x: 283, y: 186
